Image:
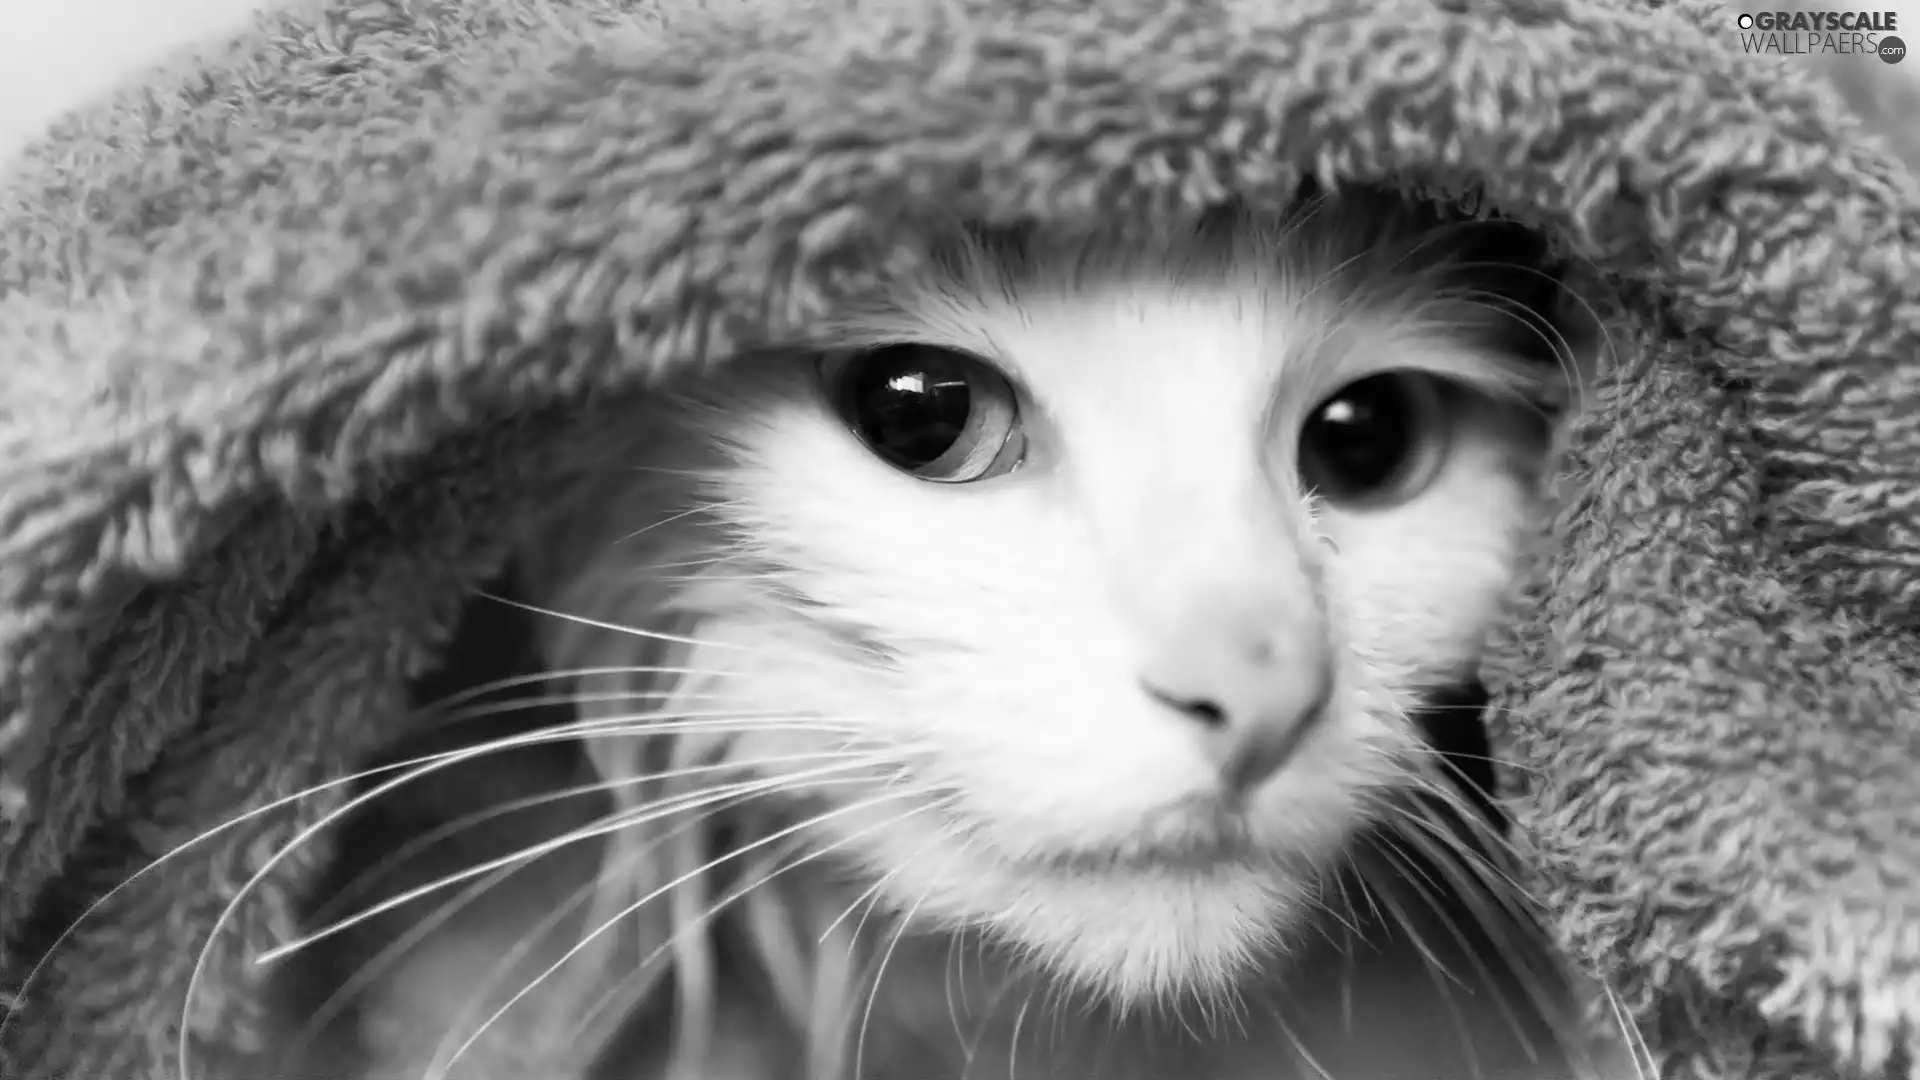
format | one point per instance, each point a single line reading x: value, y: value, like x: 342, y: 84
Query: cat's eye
x: 1376, y: 442
x: 935, y: 413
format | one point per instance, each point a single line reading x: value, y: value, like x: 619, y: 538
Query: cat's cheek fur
x: 981, y: 672
x: 1418, y: 611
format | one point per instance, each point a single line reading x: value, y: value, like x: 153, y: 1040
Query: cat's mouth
x: 1199, y: 837
x: 1292, y: 835
x: 1192, y: 835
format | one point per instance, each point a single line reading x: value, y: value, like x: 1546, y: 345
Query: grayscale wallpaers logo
x: 1820, y: 33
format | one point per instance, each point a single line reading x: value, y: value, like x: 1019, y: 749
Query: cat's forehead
x: 1129, y: 346
x: 1230, y: 311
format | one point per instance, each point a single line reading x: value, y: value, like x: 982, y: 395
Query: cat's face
x: 1118, y: 573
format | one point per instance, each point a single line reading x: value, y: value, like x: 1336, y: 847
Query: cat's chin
x: 1129, y: 936
x: 1136, y: 940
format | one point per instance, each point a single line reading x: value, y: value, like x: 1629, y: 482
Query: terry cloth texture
x: 293, y: 343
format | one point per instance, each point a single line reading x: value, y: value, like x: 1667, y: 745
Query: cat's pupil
x: 911, y: 403
x: 1362, y: 442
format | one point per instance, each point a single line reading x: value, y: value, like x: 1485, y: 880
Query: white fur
x: 1158, y: 510
x: 938, y: 685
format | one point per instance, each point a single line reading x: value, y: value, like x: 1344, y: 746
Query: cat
x: 1039, y: 657
x: 1096, y: 948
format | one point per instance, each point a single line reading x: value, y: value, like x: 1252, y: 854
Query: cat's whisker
x: 398, y: 949
x: 867, y: 896
x: 578, y: 898
x: 1463, y: 818
x: 411, y: 769
x: 1493, y: 902
x: 1347, y: 876
x: 1572, y: 372
x: 205, y: 953
x: 984, y: 1024
x: 1347, y: 949
x: 880, y: 971
x: 1351, y: 867
x: 700, y: 475
x: 922, y: 803
x: 637, y: 723
x: 1333, y: 278
x: 1470, y: 876
x: 642, y: 974
x: 33, y: 972
x: 1013, y: 1041
x: 1394, y: 271
x: 614, y: 822
x: 805, y: 824
x: 695, y: 511
x: 620, y: 865
x: 953, y: 976
x: 1305, y: 213
x: 1423, y: 770
x: 1397, y: 915
x: 651, y: 571
x: 1494, y: 923
x: 1639, y: 1053
x: 661, y: 721
x: 1442, y: 760
x: 417, y: 844
x: 962, y: 847
x: 1444, y: 978
x: 630, y: 726
x: 621, y: 628
x: 1299, y: 1045
x: 1528, y: 385
x: 760, y: 577
x: 453, y: 703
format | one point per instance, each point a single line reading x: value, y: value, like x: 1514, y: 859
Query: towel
x: 296, y: 340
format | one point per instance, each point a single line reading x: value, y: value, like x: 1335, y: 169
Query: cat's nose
x: 1254, y: 689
